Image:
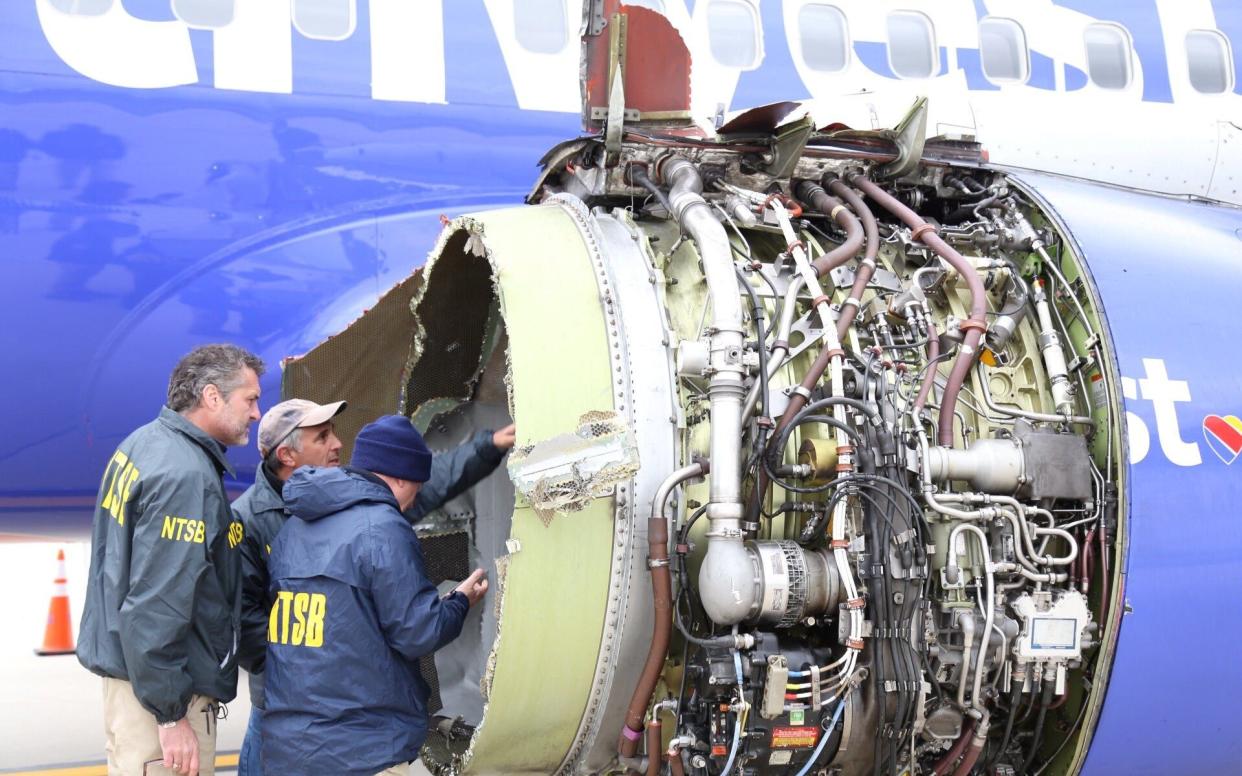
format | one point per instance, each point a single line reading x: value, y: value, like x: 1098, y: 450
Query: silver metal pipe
x: 666, y: 488
x: 727, y: 582
x: 1013, y: 412
x: 976, y: 700
x: 1054, y: 355
x: 966, y: 621
x: 776, y: 358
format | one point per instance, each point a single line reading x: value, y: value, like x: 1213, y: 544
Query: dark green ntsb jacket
x: 163, y: 602
x: 262, y: 510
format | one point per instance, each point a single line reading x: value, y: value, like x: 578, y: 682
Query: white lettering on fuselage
x: 1164, y: 395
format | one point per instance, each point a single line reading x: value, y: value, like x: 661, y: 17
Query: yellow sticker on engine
x: 794, y: 737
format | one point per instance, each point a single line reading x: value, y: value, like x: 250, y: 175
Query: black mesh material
x: 454, y: 318
x: 447, y: 556
x: 363, y: 364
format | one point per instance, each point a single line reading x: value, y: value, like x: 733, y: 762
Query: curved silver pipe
x: 665, y: 490
x: 975, y: 700
x: 727, y: 581
x: 1044, y: 417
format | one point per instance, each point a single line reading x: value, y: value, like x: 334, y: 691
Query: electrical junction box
x: 1051, y: 628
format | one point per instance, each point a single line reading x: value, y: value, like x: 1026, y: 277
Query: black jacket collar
x: 215, y: 450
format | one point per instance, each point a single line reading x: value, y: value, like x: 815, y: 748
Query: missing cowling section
x: 566, y: 472
x: 457, y: 324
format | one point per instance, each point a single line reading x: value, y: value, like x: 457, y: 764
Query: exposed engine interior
x: 901, y: 398
x: 818, y: 465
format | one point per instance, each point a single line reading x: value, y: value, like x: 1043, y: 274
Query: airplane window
x: 82, y: 7
x: 325, y: 19
x: 825, y: 38
x: 733, y: 32
x: 540, y: 25
x: 1108, y: 55
x: 204, y: 14
x: 1002, y: 48
x: 911, y: 45
x: 1209, y: 61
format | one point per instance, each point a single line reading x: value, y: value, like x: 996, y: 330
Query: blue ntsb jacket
x: 353, y: 611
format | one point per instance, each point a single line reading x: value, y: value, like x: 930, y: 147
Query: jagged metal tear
x: 568, y: 471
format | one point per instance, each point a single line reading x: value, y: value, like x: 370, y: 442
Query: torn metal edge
x: 475, y: 245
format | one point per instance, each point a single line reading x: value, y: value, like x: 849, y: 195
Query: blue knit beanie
x: 392, y: 446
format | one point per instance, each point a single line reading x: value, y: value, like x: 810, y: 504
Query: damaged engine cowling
x: 815, y: 473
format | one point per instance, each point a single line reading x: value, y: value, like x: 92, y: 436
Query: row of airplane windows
x: 734, y: 35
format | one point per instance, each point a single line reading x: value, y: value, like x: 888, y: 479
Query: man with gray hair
x: 297, y: 433
x: 161, y: 621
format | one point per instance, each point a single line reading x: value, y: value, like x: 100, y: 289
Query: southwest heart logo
x: 1224, y: 436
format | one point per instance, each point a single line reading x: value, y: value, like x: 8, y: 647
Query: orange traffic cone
x: 58, y: 637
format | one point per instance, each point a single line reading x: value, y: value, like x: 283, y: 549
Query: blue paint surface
x: 1172, y: 704
x: 1043, y: 72
x: 874, y: 57
x: 1075, y: 79
x: 135, y: 224
x: 969, y: 62
x: 754, y: 87
x: 1229, y: 21
x: 1142, y: 20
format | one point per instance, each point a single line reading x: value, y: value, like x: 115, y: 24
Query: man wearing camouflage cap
x: 297, y: 433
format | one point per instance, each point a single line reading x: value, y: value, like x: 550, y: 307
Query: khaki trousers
x: 134, y: 739
x: 396, y: 770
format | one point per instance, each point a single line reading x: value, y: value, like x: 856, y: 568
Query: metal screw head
x: 698, y: 761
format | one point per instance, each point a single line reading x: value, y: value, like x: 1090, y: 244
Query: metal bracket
x: 599, y: 113
x: 593, y: 20
x: 910, y: 135
x: 616, y: 89
x: 843, y: 277
x: 787, y: 146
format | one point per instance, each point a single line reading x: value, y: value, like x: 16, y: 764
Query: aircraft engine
x: 819, y: 466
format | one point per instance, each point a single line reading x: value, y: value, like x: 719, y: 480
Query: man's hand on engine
x: 505, y: 437
x: 475, y: 585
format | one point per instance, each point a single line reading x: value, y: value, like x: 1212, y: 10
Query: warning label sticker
x: 1099, y: 390
x: 794, y: 737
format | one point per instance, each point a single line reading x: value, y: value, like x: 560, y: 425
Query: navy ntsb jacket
x: 261, y: 509
x: 353, y: 612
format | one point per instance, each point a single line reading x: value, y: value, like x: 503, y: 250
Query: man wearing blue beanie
x: 353, y: 613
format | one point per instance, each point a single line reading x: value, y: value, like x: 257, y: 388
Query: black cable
x: 1015, y: 700
x: 1044, y: 701
x: 638, y: 174
x: 761, y: 332
x: 684, y: 531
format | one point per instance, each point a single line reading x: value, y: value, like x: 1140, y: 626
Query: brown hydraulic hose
x: 1087, y: 567
x: 653, y: 748
x: 821, y: 201
x: 974, y: 326
x: 977, y: 742
x: 929, y: 379
x: 674, y: 763
x: 662, y: 602
x: 1102, y: 535
x: 968, y: 762
x: 867, y: 267
x: 945, y: 763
